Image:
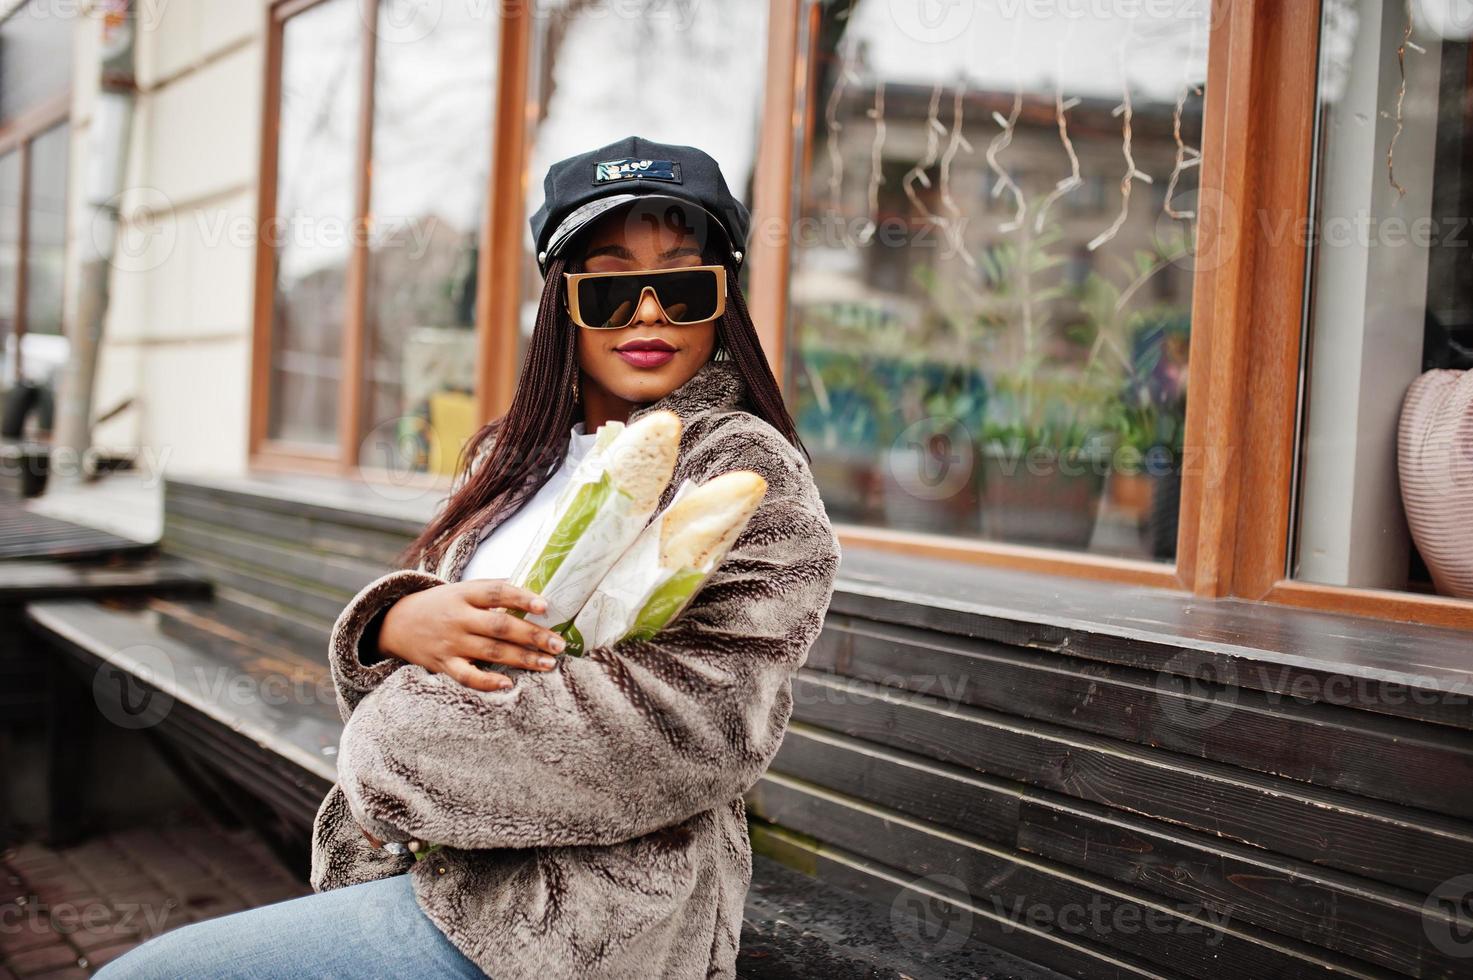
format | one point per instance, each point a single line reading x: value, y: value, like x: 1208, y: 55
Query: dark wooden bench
x: 1113, y: 781
x: 44, y: 557
x: 236, y: 689
x: 1287, y: 793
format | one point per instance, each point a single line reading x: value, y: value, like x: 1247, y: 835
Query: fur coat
x: 592, y: 815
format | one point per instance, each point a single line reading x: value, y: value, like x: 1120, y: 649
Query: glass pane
x: 433, y: 89
x: 46, y: 231
x: 1386, y: 448
x: 992, y: 269
x: 716, y: 51
x: 316, y: 176
x: 35, y: 56
x: 9, y: 258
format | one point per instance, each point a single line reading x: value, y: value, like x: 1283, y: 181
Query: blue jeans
x: 370, y: 930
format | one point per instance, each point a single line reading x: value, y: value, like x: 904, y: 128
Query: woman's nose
x: 648, y: 310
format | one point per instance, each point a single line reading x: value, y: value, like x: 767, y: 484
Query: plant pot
x: 1036, y: 498
x: 1141, y: 510
x: 931, y: 488
x: 1435, y: 470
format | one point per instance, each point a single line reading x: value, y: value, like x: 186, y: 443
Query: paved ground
x: 67, y: 911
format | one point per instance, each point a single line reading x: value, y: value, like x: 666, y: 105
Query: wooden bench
x: 236, y: 688
x: 44, y: 557
x: 1288, y: 793
x: 1113, y: 781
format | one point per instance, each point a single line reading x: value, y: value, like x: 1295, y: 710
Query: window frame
x: 269, y: 454
x: 1248, y: 309
x: 17, y: 136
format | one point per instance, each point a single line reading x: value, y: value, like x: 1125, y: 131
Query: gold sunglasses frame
x: 570, y: 294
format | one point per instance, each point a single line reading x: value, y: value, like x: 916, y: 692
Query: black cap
x: 581, y: 188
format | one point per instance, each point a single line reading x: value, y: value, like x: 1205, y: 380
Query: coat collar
x: 718, y: 385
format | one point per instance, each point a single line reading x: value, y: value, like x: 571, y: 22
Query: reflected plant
x: 1138, y: 354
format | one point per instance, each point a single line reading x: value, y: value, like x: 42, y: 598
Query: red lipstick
x: 646, y: 352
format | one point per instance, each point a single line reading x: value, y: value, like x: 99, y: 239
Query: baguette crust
x: 703, y: 524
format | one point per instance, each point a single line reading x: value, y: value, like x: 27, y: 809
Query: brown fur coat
x: 592, y: 814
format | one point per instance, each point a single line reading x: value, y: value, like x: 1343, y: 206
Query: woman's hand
x: 448, y: 629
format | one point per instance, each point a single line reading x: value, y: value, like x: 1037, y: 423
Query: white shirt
x: 497, y: 554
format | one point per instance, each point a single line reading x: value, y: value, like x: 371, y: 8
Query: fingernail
x: 539, y: 605
x: 546, y: 663
x: 557, y: 643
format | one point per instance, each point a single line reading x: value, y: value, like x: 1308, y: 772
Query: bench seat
x: 231, y: 697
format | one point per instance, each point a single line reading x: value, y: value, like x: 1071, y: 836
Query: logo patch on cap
x: 628, y: 167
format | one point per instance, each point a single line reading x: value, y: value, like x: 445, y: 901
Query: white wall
x: 1370, y: 290
x: 178, y: 332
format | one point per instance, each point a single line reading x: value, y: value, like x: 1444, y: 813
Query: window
x: 35, y: 144
x: 671, y: 72
x: 35, y: 59
x: 1390, y: 325
x: 989, y: 324
x: 377, y: 182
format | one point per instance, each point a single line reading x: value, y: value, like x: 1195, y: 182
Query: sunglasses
x: 608, y: 300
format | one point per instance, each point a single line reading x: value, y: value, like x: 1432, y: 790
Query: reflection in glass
x: 46, y: 231
x: 35, y: 56
x: 688, y: 74
x: 316, y: 176
x: 991, y: 285
x: 9, y: 251
x: 1391, y: 301
x: 432, y: 109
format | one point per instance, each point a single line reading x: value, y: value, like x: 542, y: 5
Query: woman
x: 503, y: 810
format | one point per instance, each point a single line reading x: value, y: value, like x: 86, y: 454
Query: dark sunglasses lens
x: 609, y: 301
x: 688, y: 297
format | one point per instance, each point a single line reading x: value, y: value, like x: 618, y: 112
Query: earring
x: 576, y: 393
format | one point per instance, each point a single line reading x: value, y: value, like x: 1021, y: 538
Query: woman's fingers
x: 493, y: 593
x: 510, y: 654
x: 496, y: 624
x: 469, y: 675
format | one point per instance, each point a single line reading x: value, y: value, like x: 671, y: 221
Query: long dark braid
x: 532, y: 437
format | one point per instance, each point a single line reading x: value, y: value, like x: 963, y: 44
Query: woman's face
x: 622, y: 240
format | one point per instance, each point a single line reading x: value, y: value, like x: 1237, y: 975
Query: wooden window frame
x: 17, y: 136
x: 1248, y: 312
x: 1247, y: 309
x: 492, y: 301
